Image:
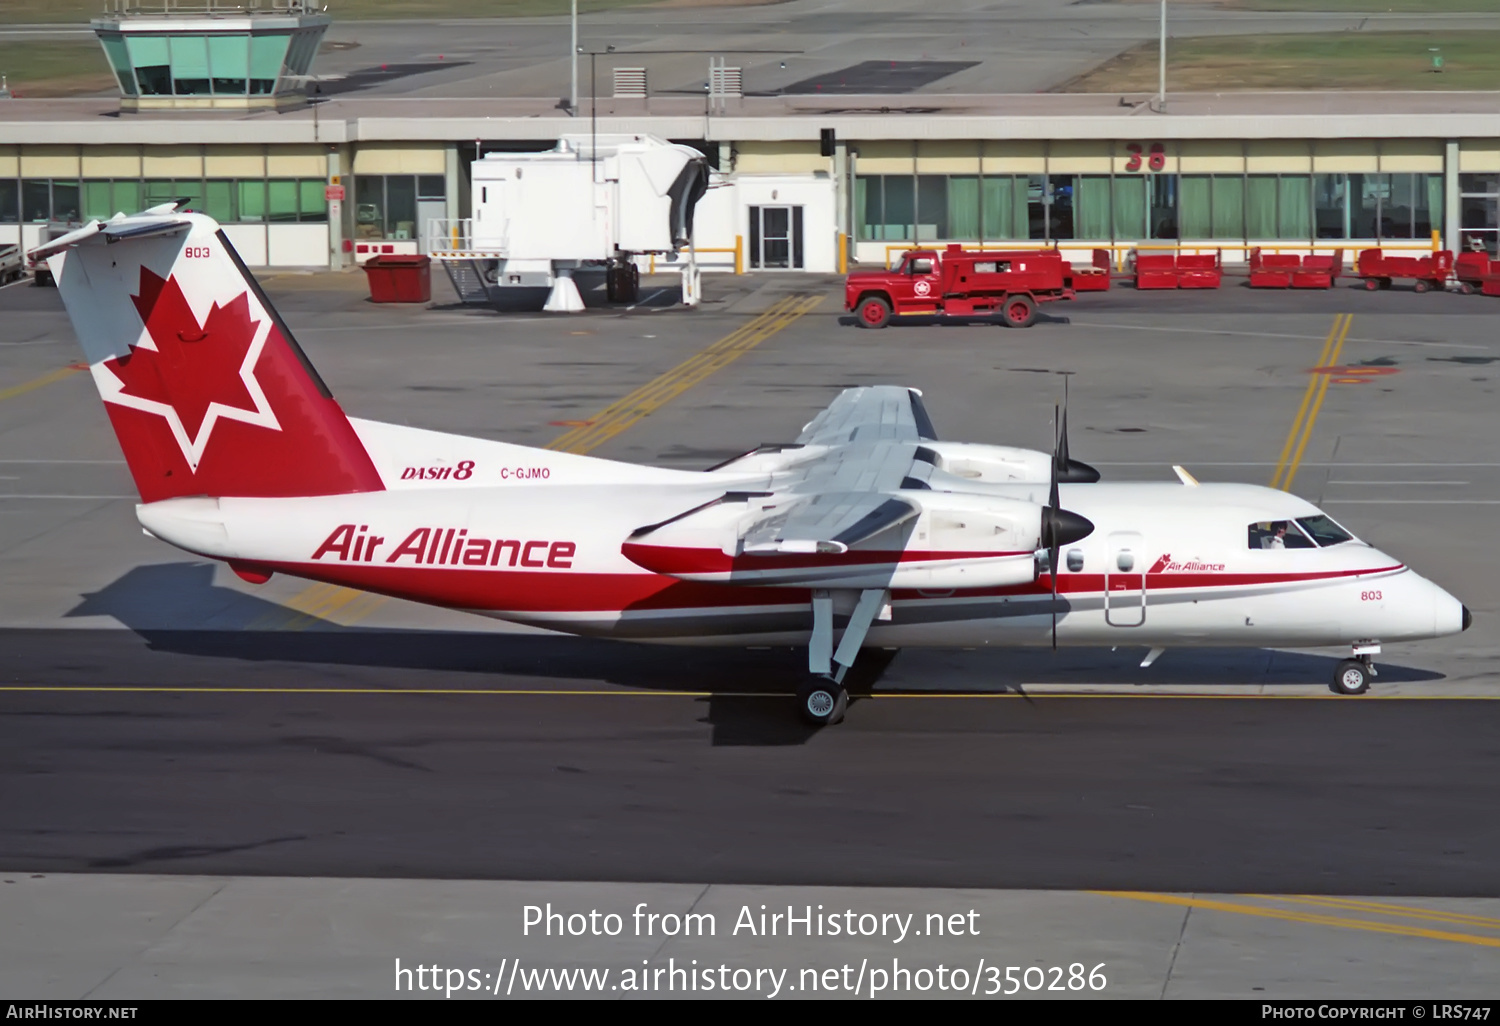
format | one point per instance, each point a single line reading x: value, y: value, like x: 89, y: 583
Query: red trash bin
x: 399, y: 278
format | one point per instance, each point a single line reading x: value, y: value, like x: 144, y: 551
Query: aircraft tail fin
x: 207, y: 390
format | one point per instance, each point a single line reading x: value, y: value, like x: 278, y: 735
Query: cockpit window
x: 1278, y: 534
x: 1324, y: 531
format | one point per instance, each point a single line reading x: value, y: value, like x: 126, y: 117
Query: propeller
x: 1064, y: 467
x: 1060, y: 526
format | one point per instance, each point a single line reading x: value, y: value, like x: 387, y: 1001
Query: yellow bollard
x: 739, y: 254
x: 843, y: 253
x: 1437, y: 240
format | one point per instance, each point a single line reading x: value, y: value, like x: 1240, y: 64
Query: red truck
x: 956, y: 283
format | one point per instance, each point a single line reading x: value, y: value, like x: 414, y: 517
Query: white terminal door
x: 1125, y: 580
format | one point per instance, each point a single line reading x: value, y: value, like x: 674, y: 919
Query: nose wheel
x: 1353, y: 676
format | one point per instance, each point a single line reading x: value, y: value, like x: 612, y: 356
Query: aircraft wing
x: 871, y: 413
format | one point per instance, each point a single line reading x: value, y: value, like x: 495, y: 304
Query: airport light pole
x: 573, y: 92
x: 1161, y: 71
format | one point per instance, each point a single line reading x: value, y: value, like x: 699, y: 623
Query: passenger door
x: 1125, y: 580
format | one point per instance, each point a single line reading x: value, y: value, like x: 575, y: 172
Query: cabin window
x: 1125, y: 561
x: 1278, y: 534
x: 921, y: 266
x: 1324, y: 531
x: 1075, y: 560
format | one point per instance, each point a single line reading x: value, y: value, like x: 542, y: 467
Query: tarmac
x: 212, y: 788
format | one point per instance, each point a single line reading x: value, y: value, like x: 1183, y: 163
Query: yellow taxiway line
x: 45, y: 379
x: 1321, y: 919
x: 655, y: 394
x: 1033, y: 696
x: 1312, y: 403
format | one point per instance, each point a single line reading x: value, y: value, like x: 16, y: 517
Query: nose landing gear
x: 1352, y: 677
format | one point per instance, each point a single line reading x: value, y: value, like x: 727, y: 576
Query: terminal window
x: 226, y: 200
x: 394, y: 206
x: 1129, y: 208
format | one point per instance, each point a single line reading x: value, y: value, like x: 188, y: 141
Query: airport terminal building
x: 331, y: 183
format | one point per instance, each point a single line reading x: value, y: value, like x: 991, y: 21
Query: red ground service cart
x: 1428, y: 272
x: 1178, y: 270
x: 955, y: 283
x: 1291, y: 271
x: 1090, y: 277
x: 1476, y: 272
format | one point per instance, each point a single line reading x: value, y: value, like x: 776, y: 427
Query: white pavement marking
x: 1268, y: 334
x: 1398, y: 482
x: 647, y: 300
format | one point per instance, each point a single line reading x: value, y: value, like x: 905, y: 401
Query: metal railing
x: 452, y: 238
x: 738, y: 250
x: 1122, y: 250
x: 213, y: 6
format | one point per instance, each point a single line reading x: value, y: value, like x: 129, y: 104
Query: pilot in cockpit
x: 1276, y: 539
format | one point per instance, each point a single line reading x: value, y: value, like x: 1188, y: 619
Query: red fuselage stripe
x: 574, y: 591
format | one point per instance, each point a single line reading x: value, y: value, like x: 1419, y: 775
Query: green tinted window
x: 119, y: 59
x: 219, y: 200
x: 266, y: 55
x: 313, y: 201
x: 191, y: 190
x: 159, y: 191
x: 229, y: 56
x: 126, y: 197
x: 148, y: 54
x: 96, y: 201
x: 283, y: 199
x: 252, y: 196
x: 9, y: 198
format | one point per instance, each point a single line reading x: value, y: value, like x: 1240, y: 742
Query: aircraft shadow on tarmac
x: 217, y: 643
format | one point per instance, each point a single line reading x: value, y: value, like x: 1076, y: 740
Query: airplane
x: 866, y: 531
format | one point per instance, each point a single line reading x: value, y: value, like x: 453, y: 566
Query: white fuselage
x: 1167, y: 565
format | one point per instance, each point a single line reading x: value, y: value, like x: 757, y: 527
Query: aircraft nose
x: 1467, y: 619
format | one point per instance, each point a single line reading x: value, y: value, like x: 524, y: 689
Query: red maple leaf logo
x: 194, y: 365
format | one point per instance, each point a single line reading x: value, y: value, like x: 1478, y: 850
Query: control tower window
x: 1278, y: 534
x: 1324, y: 531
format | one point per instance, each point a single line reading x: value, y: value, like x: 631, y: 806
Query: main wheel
x: 1466, y: 288
x: 822, y: 702
x: 1019, y: 311
x: 874, y: 312
x: 1372, y: 284
x: 1421, y: 285
x: 1351, y: 678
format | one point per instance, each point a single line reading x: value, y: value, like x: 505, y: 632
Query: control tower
x: 211, y: 54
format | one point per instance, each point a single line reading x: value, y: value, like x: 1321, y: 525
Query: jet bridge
x: 590, y: 202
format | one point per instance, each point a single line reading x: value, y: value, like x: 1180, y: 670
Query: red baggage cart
x: 1379, y: 269
x: 1178, y: 270
x: 1476, y: 272
x: 1091, y: 277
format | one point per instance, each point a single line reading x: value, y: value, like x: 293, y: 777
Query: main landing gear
x: 1353, y: 676
x: 823, y: 699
